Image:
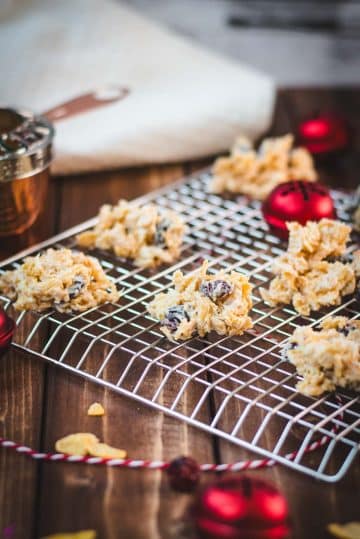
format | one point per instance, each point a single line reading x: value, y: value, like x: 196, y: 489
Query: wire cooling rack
x: 237, y: 388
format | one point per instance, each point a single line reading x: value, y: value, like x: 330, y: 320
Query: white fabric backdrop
x: 184, y: 102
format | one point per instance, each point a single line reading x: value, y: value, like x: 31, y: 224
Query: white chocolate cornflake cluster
x: 200, y: 303
x: 147, y: 234
x: 257, y: 173
x: 328, y: 357
x: 303, y: 276
x: 60, y: 279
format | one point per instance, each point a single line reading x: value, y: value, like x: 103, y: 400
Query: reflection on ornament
x: 324, y: 134
x: 297, y: 201
x: 7, y: 327
x: 241, y: 508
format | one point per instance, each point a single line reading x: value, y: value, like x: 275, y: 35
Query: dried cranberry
x: 77, y: 286
x: 174, y: 316
x: 161, y: 228
x: 346, y: 329
x: 184, y: 474
x: 216, y: 289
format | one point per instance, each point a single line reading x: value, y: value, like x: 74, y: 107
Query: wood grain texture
x: 312, y: 503
x: 21, y: 404
x: 39, y: 404
x: 112, y: 496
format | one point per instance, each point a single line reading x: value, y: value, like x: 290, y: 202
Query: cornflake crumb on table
x: 96, y: 410
x: 147, y: 234
x: 303, y: 275
x: 326, y: 358
x: 200, y: 303
x: 257, y: 173
x: 85, y: 443
x: 60, y: 279
x: 83, y: 534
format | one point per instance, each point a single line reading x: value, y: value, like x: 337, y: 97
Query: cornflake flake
x: 96, y: 409
x: 83, y: 443
x: 351, y: 530
x: 76, y: 444
x: 84, y: 534
x: 107, y: 452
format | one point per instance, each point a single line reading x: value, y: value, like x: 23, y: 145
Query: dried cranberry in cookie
x: 217, y: 289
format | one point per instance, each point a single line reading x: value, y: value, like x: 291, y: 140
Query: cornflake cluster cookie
x: 326, y: 358
x: 303, y: 275
x: 200, y: 303
x: 256, y: 173
x: 147, y: 234
x: 61, y: 279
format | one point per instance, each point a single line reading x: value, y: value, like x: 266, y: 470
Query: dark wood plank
x: 21, y: 405
x: 313, y: 504
x: 109, y: 500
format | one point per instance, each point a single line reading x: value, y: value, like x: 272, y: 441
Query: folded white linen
x: 183, y: 102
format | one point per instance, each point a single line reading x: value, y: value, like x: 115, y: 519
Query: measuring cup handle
x: 86, y: 102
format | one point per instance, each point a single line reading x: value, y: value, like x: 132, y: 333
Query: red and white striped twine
x: 156, y: 464
x: 162, y: 465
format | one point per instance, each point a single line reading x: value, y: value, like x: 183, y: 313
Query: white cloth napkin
x: 183, y: 103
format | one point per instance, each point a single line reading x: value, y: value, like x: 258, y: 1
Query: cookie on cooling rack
x: 257, y: 173
x: 328, y: 357
x: 147, y: 234
x: 200, y: 303
x: 60, y: 279
x: 307, y: 274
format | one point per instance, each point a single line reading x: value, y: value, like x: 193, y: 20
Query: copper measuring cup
x: 26, y: 153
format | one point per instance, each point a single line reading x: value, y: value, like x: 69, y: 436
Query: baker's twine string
x: 156, y: 464
x: 255, y: 464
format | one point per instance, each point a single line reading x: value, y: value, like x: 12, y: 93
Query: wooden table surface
x: 40, y: 403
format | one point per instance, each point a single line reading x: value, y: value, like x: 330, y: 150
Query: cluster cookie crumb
x: 310, y: 275
x: 96, y: 410
x: 85, y: 443
x: 200, y: 303
x: 58, y: 279
x: 257, y: 173
x: 147, y: 234
x: 326, y: 358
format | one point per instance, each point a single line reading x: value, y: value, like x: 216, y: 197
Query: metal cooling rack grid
x: 237, y: 388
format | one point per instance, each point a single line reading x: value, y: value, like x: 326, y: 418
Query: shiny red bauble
x: 324, y: 134
x: 241, y: 508
x: 183, y: 474
x: 297, y: 201
x: 7, y: 327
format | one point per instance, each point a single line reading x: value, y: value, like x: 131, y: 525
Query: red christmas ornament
x: 7, y: 327
x: 324, y: 134
x: 184, y: 474
x: 241, y: 508
x: 297, y: 201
